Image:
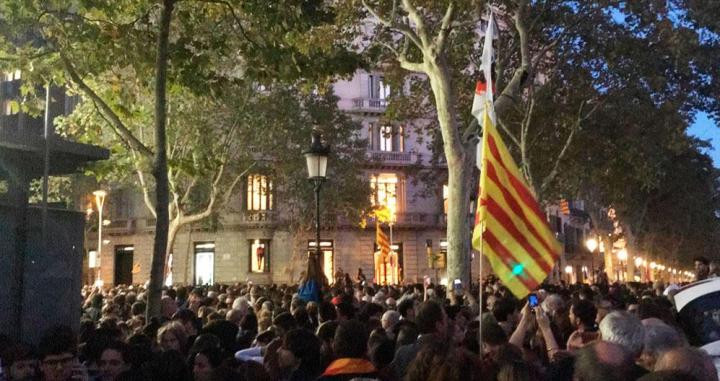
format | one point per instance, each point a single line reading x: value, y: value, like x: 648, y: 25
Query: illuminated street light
x: 622, y: 255
x: 591, y: 244
x: 99, y: 202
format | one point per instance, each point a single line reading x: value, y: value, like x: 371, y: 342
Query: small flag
x: 511, y: 230
x: 565, y: 207
x: 382, y: 240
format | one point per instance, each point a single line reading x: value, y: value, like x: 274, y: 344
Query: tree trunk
x: 459, y: 175
x: 173, y: 230
x: 162, y: 190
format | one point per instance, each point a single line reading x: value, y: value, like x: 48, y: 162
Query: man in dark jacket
x: 432, y: 324
x: 350, y: 349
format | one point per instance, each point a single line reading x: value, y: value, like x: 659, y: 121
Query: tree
x: 210, y: 43
x: 558, y: 64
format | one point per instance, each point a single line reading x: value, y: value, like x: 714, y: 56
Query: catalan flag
x: 510, y: 228
x: 565, y: 207
x: 382, y: 240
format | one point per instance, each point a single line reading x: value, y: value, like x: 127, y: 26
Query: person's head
x: 431, y: 318
x: 624, y: 329
x: 21, y: 361
x: 283, y: 323
x: 702, y: 267
x: 439, y: 361
x: 114, y: 360
x: 345, y: 310
x: 300, y: 352
x: 58, y: 351
x: 602, y: 361
x: 389, y: 319
x: 326, y: 312
x: 406, y: 308
x: 205, y: 361
x: 693, y: 361
x: 505, y: 310
x: 514, y: 370
x: 249, y: 323
x: 668, y: 375
x: 350, y: 340
x: 167, y: 307
x: 493, y: 338
x: 583, y: 313
x: 659, y: 338
x: 189, y: 321
x: 172, y: 336
x: 407, y: 333
x: 234, y: 316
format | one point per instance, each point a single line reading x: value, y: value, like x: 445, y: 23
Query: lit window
x: 259, y: 193
x: 384, y: 188
x: 386, y: 138
x: 391, y: 139
x: 204, y: 263
x: 259, y: 255
x: 378, y: 88
x: 12, y: 75
x: 6, y: 107
x: 445, y: 196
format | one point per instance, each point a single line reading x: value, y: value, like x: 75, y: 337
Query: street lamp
x: 317, y: 157
x: 569, y: 271
x: 622, y: 256
x: 592, y: 244
x: 99, y: 202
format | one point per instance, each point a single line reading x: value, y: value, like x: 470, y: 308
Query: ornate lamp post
x: 622, y: 257
x: 317, y: 158
x: 99, y: 202
x: 592, y: 245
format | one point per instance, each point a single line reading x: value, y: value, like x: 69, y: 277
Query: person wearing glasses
x: 58, y: 357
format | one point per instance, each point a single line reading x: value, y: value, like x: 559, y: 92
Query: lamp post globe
x: 591, y: 244
x: 316, y: 158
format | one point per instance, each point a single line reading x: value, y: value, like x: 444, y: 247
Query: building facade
x: 250, y: 245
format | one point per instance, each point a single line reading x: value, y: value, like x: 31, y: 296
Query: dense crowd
x: 361, y: 332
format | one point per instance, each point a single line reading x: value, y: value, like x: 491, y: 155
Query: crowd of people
x: 362, y: 332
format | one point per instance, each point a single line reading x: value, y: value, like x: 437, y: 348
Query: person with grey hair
x: 693, y: 361
x: 552, y: 304
x: 389, y: 320
x: 624, y: 329
x: 659, y: 338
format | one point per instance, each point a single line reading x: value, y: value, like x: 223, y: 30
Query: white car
x: 698, y: 306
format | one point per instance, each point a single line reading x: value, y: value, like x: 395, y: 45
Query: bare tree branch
x: 507, y: 132
x: 238, y: 20
x: 445, y: 28
x: 118, y: 125
x: 393, y: 24
x: 419, y: 22
x: 578, y: 122
x: 512, y: 91
x: 143, y: 184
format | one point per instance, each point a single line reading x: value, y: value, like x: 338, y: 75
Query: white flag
x: 484, y: 90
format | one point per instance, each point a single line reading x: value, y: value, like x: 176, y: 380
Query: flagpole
x: 480, y: 283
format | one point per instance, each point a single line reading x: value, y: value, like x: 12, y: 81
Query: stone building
x: 251, y: 246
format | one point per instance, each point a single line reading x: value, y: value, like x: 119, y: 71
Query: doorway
x: 204, y: 263
x: 327, y: 259
x: 124, y: 264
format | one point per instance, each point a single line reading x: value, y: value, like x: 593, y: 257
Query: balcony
x: 257, y: 217
x: 369, y: 104
x: 121, y: 226
x: 389, y: 157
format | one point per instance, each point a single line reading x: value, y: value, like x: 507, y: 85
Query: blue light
x: 517, y: 269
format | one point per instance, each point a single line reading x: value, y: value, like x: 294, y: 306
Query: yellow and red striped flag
x: 565, y: 207
x: 510, y: 228
x: 517, y: 239
x: 382, y: 240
